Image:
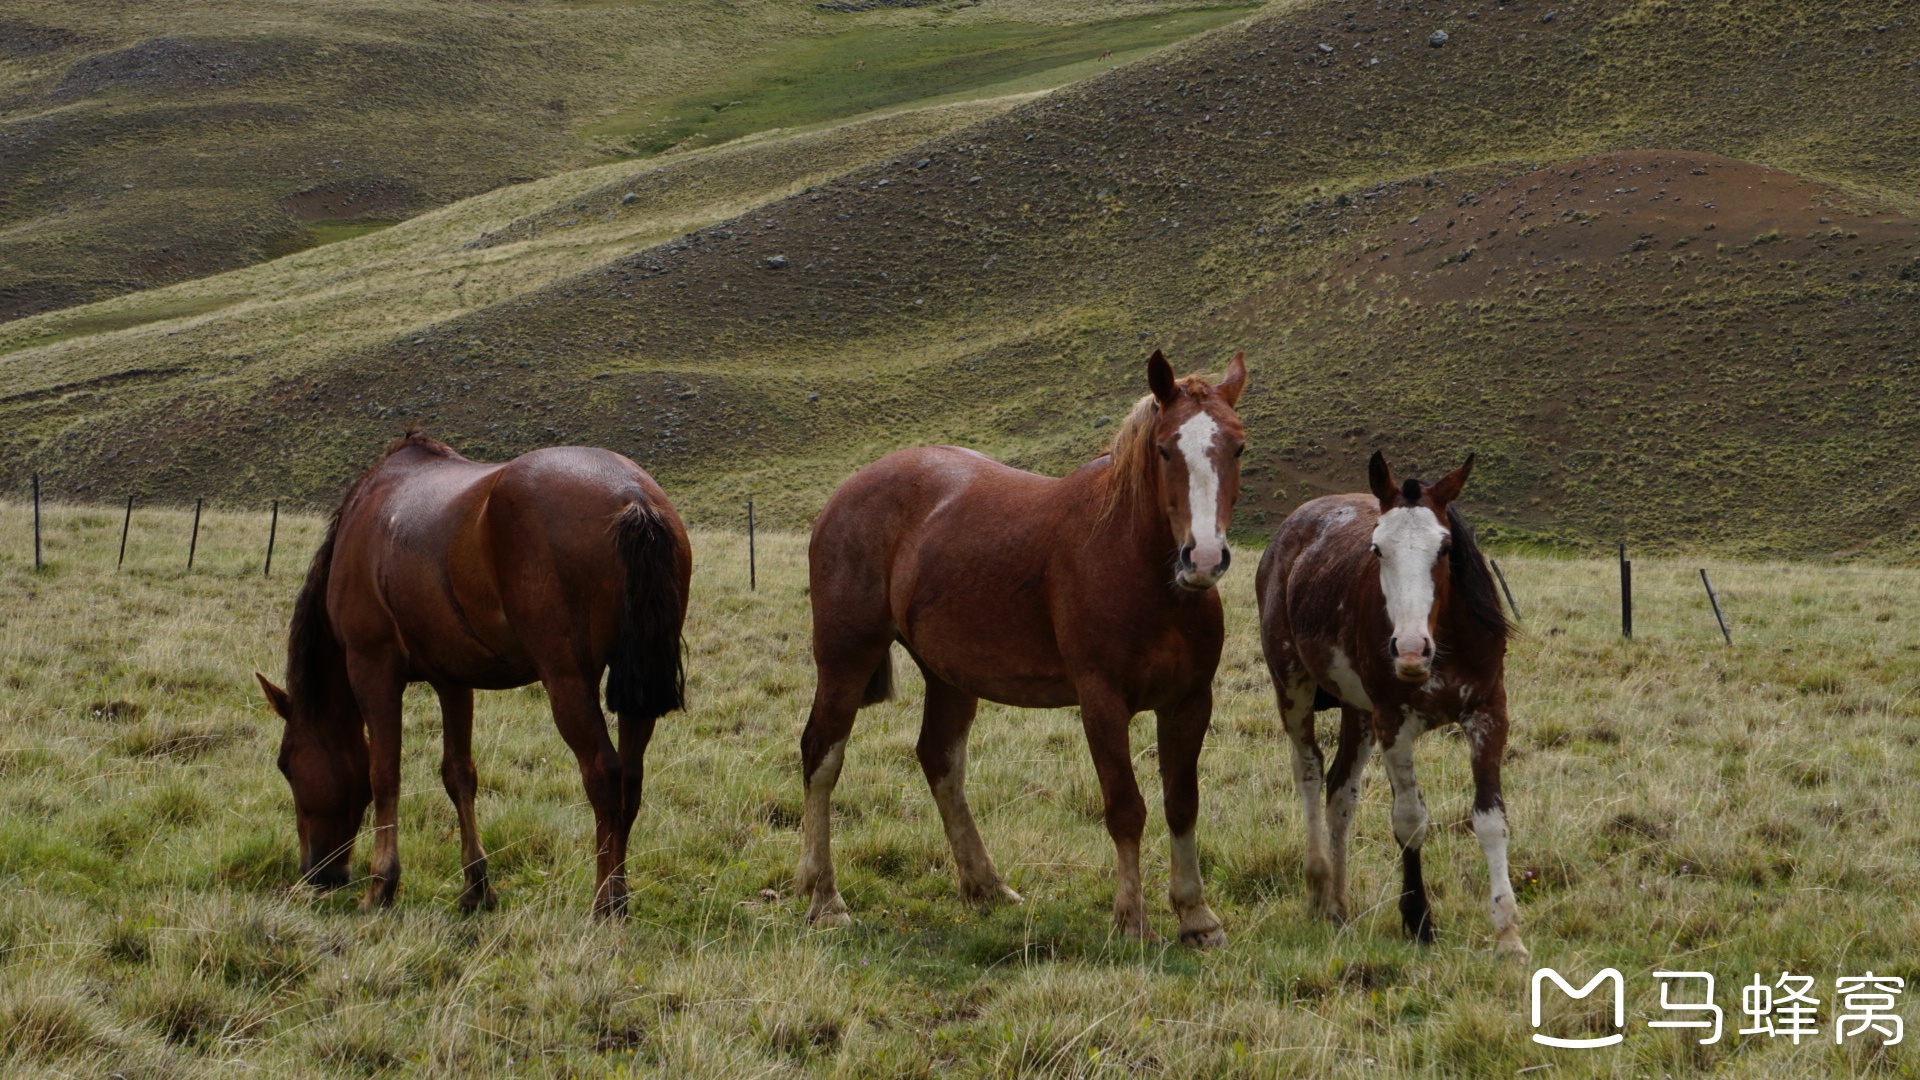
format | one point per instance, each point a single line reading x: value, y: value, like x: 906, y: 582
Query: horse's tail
x: 880, y: 684
x: 645, y: 676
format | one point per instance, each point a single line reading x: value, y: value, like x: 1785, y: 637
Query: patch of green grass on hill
x: 1675, y: 805
x: 817, y: 79
x: 151, y: 144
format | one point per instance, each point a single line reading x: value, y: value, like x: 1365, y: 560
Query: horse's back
x: 471, y: 570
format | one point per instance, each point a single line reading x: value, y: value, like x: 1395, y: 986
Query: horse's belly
x: 1008, y: 658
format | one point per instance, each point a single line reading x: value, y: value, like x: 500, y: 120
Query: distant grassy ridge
x: 1000, y: 286
x: 148, y: 144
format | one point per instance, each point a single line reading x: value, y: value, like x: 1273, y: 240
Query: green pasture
x: 1676, y: 804
x: 864, y: 68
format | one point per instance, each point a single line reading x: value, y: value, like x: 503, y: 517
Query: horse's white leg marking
x: 815, y: 874
x: 979, y: 880
x: 1409, y: 809
x: 1198, y: 924
x: 1203, y: 493
x: 1491, y: 827
x: 1296, y: 714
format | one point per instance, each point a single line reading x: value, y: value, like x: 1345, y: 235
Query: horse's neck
x: 1138, y: 526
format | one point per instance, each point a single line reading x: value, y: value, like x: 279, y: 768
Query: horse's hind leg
x: 1343, y: 792
x: 462, y: 783
x: 1294, y: 692
x: 842, y: 687
x: 576, y: 712
x: 943, y: 757
x: 635, y: 734
x: 1182, y: 730
x: 1409, y: 828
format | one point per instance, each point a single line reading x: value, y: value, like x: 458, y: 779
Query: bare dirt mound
x: 1640, y: 220
x: 348, y: 199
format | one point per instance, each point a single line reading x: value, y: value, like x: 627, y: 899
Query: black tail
x: 645, y: 676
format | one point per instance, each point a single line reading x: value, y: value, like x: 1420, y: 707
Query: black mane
x: 1471, y: 578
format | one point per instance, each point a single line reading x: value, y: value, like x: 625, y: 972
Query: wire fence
x: 1658, y: 600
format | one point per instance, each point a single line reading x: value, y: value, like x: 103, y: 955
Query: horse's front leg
x: 1104, y: 715
x: 378, y: 689
x: 1344, y: 780
x: 1487, y: 737
x: 1293, y: 690
x: 462, y: 782
x: 1182, y: 729
x: 1397, y: 736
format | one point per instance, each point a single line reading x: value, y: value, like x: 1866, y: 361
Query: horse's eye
x: 1164, y: 456
x: 1375, y: 548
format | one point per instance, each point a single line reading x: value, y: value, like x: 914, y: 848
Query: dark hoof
x: 1204, y: 939
x: 482, y: 900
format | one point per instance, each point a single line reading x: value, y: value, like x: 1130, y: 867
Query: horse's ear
x: 276, y: 697
x: 1380, y: 479
x: 1234, y: 381
x: 1160, y: 378
x: 1448, y: 489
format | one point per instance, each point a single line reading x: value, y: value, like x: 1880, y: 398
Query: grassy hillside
x: 1675, y: 804
x: 143, y: 144
x: 999, y: 286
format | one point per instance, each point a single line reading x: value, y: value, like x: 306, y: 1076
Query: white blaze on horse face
x: 1209, y: 545
x: 1408, y: 539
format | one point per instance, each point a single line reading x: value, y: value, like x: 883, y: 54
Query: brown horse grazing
x: 556, y: 566
x: 1096, y: 590
x: 1382, y: 605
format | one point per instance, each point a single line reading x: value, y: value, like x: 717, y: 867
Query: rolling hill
x: 1657, y: 263
x: 145, y: 144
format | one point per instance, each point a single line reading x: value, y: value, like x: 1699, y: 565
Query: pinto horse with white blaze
x: 1095, y: 589
x: 555, y: 567
x: 1382, y: 605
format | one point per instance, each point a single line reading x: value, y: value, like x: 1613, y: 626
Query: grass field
x: 1676, y: 803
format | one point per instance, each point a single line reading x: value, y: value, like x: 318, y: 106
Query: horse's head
x: 1198, y: 438
x: 325, y: 763
x: 1411, y: 544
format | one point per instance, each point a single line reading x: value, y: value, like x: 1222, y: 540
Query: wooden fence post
x: 1626, y: 595
x: 1715, y: 601
x: 125, y: 524
x: 194, y: 544
x: 273, y: 530
x: 37, y: 563
x: 753, y: 570
x: 1511, y: 606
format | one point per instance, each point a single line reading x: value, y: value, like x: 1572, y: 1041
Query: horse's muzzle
x: 1192, y: 578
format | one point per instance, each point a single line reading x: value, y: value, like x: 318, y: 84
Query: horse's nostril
x: 1393, y: 645
x: 1428, y: 651
x: 1226, y: 559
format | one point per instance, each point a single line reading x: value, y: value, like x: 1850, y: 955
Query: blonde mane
x: 1134, y: 473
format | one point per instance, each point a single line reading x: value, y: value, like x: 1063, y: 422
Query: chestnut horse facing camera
x: 1382, y: 605
x: 1096, y: 590
x: 555, y: 566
